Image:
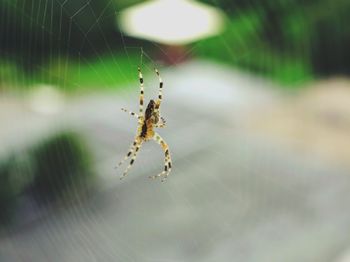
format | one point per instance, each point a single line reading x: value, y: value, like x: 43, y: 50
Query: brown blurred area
x: 314, y: 120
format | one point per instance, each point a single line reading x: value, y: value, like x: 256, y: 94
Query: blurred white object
x: 46, y: 100
x: 171, y: 22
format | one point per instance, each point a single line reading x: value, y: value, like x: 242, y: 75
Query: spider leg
x: 160, y: 91
x: 141, y: 90
x: 130, y: 112
x: 137, y: 147
x: 167, y: 161
x: 131, y: 150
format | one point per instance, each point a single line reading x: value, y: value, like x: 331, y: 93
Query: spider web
x: 55, y: 23
x: 54, y: 26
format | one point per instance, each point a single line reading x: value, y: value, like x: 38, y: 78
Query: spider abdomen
x: 147, y: 131
x: 143, y: 130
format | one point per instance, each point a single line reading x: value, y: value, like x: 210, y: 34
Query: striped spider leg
x: 130, y: 113
x: 136, y: 150
x: 167, y: 161
x: 147, y: 121
x: 131, y: 150
x: 141, y: 90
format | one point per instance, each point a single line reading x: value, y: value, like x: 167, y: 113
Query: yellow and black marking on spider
x: 147, y: 121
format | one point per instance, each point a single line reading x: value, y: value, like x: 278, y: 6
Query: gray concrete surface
x: 233, y: 195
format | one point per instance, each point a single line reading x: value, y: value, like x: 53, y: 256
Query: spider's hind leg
x: 167, y: 161
x: 131, y: 150
x: 137, y: 148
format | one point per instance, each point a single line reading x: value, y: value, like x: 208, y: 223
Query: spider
x: 147, y: 121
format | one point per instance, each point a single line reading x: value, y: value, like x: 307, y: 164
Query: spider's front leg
x: 141, y: 90
x: 130, y: 112
x: 160, y: 90
x: 167, y: 161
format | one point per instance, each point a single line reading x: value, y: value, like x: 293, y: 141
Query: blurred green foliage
x: 15, y: 175
x: 289, y: 41
x: 8, y: 192
x: 106, y: 71
x: 33, y: 30
x: 77, y: 44
x: 63, y: 166
x: 70, y: 44
x: 241, y: 45
x: 58, y: 168
x: 10, y: 73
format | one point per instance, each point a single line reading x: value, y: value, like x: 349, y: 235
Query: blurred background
x: 257, y: 103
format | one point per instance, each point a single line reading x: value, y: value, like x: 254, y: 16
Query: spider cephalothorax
x: 145, y: 131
